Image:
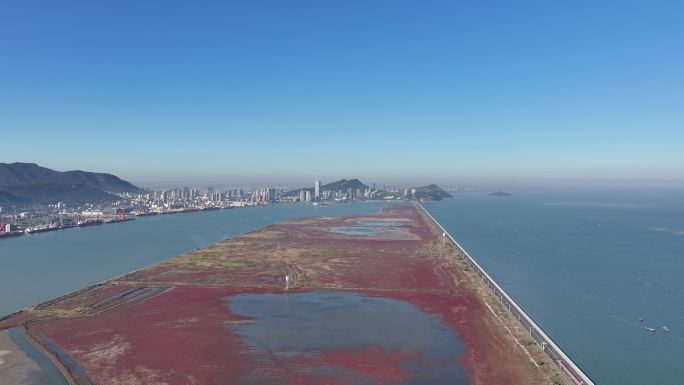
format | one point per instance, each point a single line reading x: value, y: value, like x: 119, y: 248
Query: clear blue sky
x: 383, y: 90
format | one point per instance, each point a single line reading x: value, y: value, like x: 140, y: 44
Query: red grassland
x: 167, y: 324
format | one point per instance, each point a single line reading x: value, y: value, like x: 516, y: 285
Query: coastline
x: 316, y: 258
x: 508, y: 313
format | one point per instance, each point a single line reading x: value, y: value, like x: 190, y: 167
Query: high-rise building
x: 308, y: 196
x: 317, y: 189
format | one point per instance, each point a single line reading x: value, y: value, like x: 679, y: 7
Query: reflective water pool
x: 363, y: 338
x: 354, y: 230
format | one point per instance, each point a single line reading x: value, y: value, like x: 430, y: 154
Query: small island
x: 500, y: 194
x: 430, y: 192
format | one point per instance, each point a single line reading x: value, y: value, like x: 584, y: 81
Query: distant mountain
x: 340, y: 185
x: 500, y: 194
x: 52, y: 193
x: 8, y: 198
x: 26, y: 183
x: 427, y: 193
x: 431, y: 192
x: 14, y: 174
x: 343, y: 185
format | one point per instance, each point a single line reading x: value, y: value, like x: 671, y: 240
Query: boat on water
x: 144, y: 214
x: 89, y: 222
x: 653, y: 330
x: 117, y: 220
x: 665, y: 328
x: 45, y: 228
x: 11, y: 234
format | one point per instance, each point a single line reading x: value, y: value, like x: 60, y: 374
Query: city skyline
x: 525, y: 93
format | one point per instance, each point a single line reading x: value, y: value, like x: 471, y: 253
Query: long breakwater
x: 548, y: 346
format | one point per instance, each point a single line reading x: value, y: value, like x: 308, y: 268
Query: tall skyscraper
x: 317, y: 189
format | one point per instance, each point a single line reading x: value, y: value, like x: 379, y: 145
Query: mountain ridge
x: 29, y: 183
x: 429, y: 192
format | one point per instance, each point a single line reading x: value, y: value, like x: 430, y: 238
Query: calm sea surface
x: 38, y: 267
x: 587, y: 267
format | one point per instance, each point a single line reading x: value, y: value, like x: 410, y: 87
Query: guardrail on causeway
x: 546, y: 343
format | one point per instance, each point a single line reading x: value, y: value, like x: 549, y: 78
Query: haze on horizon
x: 386, y: 91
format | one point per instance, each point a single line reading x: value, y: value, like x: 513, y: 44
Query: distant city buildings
x: 176, y: 200
x: 343, y: 190
x: 58, y: 216
x: 264, y: 195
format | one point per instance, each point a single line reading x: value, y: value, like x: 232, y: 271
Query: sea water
x: 587, y: 267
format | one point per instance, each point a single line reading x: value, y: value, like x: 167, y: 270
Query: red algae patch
x: 193, y: 335
x: 372, y: 364
x: 381, y: 302
x: 177, y: 337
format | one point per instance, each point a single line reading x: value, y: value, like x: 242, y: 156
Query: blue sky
x: 383, y: 90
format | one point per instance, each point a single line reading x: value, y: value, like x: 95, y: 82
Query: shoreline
x: 512, y: 311
x: 14, y: 234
